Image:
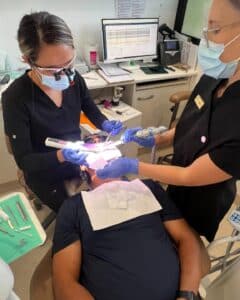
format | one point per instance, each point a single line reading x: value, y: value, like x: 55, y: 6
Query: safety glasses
x: 56, y: 71
x: 207, y: 32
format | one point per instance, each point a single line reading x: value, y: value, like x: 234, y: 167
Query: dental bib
x: 119, y: 201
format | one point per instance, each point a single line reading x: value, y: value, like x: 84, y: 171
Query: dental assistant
x: 206, y: 141
x: 46, y: 102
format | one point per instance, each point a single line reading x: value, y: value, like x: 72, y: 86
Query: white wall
x: 83, y: 17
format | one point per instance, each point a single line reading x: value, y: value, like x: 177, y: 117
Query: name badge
x: 199, y: 102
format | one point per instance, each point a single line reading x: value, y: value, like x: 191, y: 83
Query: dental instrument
x: 21, y: 211
x: 24, y: 228
x: 6, y: 232
x: 143, y: 133
x: 61, y: 144
x: 81, y: 146
x: 23, y: 232
x: 12, y: 214
x: 6, y: 218
x: 108, y: 137
x: 110, y: 133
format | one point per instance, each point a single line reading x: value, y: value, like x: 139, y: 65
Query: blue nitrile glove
x: 74, y: 156
x: 130, y: 136
x: 112, y: 126
x: 118, y: 168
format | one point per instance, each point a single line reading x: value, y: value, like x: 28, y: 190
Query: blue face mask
x: 62, y: 84
x: 210, y: 62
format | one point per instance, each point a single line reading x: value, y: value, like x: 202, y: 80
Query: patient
x: 149, y: 257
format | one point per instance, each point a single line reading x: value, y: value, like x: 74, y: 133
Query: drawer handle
x: 147, y: 98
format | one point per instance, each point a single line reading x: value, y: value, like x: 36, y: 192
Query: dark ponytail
x: 41, y: 28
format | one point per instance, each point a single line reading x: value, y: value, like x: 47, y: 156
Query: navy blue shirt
x: 133, y: 260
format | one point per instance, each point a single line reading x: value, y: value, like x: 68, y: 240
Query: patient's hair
x: 235, y: 3
x: 41, y: 28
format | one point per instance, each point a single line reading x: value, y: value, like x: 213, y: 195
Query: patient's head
x: 95, y: 181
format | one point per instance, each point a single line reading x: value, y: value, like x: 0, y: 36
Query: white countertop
x: 123, y: 112
x: 94, y: 80
x: 127, y: 113
x: 139, y: 76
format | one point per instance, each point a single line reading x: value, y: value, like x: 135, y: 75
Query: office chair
x: 176, y: 99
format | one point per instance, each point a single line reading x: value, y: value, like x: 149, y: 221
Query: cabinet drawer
x: 147, y: 103
x: 153, y: 102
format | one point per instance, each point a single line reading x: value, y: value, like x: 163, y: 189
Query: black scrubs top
x: 213, y: 128
x: 30, y: 116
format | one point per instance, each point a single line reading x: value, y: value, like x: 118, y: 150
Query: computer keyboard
x: 112, y: 69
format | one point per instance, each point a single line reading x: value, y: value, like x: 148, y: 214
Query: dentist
x: 46, y: 102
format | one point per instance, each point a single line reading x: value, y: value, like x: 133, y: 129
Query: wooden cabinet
x: 152, y: 99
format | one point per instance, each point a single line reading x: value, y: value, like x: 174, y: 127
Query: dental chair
x: 222, y: 282
x: 225, y: 286
x: 221, y: 263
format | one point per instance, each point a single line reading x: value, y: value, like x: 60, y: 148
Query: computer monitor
x: 191, y: 18
x: 129, y: 39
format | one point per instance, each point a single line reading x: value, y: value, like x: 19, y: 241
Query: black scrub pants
x: 52, y: 195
